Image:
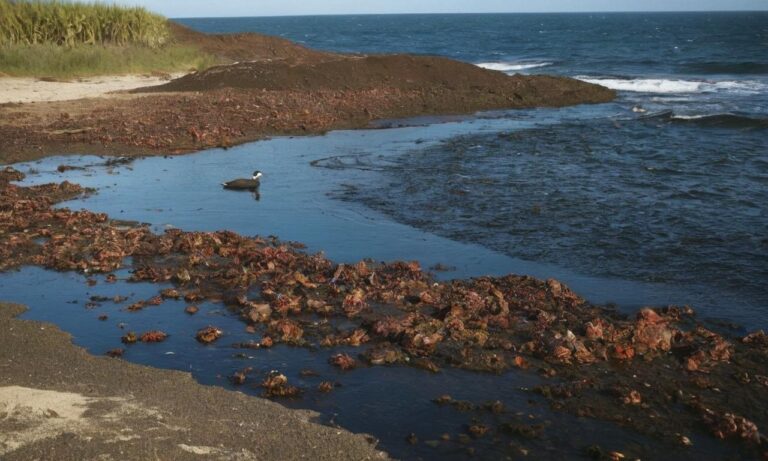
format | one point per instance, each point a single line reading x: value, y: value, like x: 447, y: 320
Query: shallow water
x: 297, y: 202
x: 387, y: 402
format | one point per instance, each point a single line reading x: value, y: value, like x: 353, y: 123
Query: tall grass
x: 65, y: 39
x: 37, y: 22
x: 85, y: 61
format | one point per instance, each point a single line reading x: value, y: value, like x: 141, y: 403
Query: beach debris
x: 208, y: 335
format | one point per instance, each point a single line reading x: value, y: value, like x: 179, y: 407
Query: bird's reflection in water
x: 256, y: 195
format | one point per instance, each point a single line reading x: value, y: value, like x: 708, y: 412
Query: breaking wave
x: 712, y: 120
x: 668, y: 86
x: 513, y: 65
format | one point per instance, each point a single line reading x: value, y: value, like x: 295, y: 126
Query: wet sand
x: 59, y: 402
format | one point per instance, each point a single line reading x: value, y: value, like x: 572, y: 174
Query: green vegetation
x: 70, y: 24
x: 68, y: 39
x: 82, y: 61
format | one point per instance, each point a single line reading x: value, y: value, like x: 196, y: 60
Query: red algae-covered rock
x: 343, y: 361
x: 354, y: 302
x: 129, y: 338
x: 287, y: 330
x: 258, y: 312
x: 170, y: 293
x: 478, y: 430
x: 728, y: 425
x: 758, y: 338
x: 651, y: 333
x: 154, y: 336
x: 326, y: 386
x: 208, y: 335
x: 276, y: 385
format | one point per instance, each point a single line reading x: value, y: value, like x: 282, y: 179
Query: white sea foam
x: 654, y: 85
x: 512, y: 66
x: 694, y: 117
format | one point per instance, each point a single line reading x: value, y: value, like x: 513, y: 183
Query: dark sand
x: 103, y: 408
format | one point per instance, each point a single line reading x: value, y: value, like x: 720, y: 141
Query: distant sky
x: 208, y: 8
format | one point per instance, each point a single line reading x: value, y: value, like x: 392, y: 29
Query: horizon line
x: 472, y: 13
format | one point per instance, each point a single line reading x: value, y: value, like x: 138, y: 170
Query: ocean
x: 656, y: 198
x: 668, y: 184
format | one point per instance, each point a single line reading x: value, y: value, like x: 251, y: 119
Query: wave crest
x: 669, y: 86
x: 724, y: 120
x: 513, y: 65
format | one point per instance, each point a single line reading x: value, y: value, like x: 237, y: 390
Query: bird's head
x: 257, y: 174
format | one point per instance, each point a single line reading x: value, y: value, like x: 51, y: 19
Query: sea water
x: 656, y: 198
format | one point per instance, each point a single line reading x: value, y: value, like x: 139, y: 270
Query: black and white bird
x: 243, y: 183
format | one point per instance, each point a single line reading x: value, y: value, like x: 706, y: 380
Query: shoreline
x: 273, y: 87
x: 28, y: 90
x: 653, y: 373
x: 659, y: 372
x: 60, y: 400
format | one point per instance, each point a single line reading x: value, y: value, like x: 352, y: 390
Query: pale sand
x: 26, y: 90
x: 28, y: 416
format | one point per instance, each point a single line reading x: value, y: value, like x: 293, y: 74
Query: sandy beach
x: 33, y: 90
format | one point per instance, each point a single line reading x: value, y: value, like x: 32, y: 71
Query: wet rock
x: 170, y: 293
x: 326, y: 386
x: 155, y: 336
x: 633, y: 397
x: 343, y: 361
x: 758, y: 338
x: 129, y: 338
x: 208, y: 335
x: 191, y: 310
x: 478, y: 430
x: 239, y: 378
x: 652, y: 333
x: 259, y: 312
x: 276, y: 385
x: 729, y: 425
x: 286, y: 330
x: 115, y: 353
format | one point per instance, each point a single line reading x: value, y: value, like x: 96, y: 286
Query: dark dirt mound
x: 402, y: 72
x: 245, y: 47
